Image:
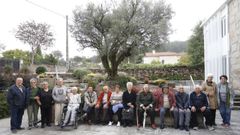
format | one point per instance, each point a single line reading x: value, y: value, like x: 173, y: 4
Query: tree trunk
x: 32, y: 57
x: 111, y: 71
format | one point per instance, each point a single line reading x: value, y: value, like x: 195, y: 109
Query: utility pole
x: 67, y: 52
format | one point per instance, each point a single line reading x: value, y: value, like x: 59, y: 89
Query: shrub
x: 158, y: 82
x: 8, y: 70
x: 80, y: 73
x: 41, y: 70
x: 24, y: 70
x: 122, y: 80
x: 4, y: 111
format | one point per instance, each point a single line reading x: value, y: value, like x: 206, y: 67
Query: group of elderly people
x: 100, y: 107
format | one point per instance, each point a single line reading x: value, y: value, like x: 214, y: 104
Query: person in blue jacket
x: 17, y: 100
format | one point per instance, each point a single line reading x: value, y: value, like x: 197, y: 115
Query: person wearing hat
x: 210, y: 89
x: 167, y: 102
x: 199, y: 104
x: 225, y: 100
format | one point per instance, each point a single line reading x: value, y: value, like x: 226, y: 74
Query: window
x: 223, y: 27
x: 224, y: 64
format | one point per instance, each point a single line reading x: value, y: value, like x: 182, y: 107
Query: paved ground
x: 106, y: 130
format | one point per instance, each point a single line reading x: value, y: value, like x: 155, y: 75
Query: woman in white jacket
x: 74, y: 101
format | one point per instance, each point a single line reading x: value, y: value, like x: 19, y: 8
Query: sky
x: 13, y: 12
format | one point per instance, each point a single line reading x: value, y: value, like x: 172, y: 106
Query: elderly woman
x: 90, y: 98
x: 167, y: 102
x: 103, y: 104
x: 116, y: 105
x: 145, y: 102
x: 199, y: 104
x: 45, y: 101
x: 33, y: 107
x: 182, y: 104
x: 225, y: 100
x: 210, y: 89
x: 129, y: 100
x: 74, y: 100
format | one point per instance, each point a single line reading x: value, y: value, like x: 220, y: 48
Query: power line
x: 56, y: 13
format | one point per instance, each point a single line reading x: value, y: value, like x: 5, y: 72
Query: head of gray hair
x: 209, y: 75
x: 197, y: 86
x: 129, y: 84
x: 33, y: 80
x: 45, y: 82
x: 60, y: 79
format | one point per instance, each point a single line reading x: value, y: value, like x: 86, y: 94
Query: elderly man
x: 225, y: 100
x: 103, y: 104
x: 145, y: 102
x: 17, y: 100
x: 128, y: 100
x: 33, y: 107
x: 199, y: 104
x: 90, y: 98
x: 59, y: 95
x: 210, y: 89
x: 182, y: 104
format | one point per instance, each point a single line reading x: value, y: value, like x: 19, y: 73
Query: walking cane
x: 144, y: 118
x: 137, y: 116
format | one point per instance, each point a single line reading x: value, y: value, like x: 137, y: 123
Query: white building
x: 162, y: 57
x: 216, y: 43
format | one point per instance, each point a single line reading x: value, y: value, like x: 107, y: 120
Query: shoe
x: 181, y: 128
x: 118, y: 124
x: 138, y: 125
x: 71, y: 123
x: 187, y: 128
x: 49, y: 125
x: 42, y: 126
x: 195, y: 128
x: 125, y: 124
x: 63, y: 125
x: 161, y: 126
x: 153, y: 126
x: 89, y: 122
x: 30, y: 127
x: 14, y: 131
x: 211, y: 128
x: 20, y: 128
x: 35, y: 125
x: 110, y: 123
x: 223, y: 124
x: 226, y: 125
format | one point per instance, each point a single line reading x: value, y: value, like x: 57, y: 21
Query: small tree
x: 40, y: 70
x: 37, y: 35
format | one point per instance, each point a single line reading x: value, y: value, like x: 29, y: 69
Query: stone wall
x: 168, y: 73
x: 234, y: 40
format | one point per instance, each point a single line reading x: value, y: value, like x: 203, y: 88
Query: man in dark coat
x: 17, y: 100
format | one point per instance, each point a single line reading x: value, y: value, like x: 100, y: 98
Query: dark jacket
x: 17, y: 98
x: 145, y: 99
x: 198, y: 101
x: 46, y: 98
x: 128, y: 98
x: 182, y: 100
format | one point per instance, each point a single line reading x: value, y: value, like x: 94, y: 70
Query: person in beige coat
x: 210, y: 89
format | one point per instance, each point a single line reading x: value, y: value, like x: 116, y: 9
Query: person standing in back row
x: 17, y: 101
x: 59, y: 95
x: 210, y: 89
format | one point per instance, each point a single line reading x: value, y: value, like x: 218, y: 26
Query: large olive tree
x: 115, y: 30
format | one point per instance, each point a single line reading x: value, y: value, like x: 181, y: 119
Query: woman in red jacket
x: 103, y: 104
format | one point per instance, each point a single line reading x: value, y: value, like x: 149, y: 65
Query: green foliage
x: 24, y: 70
x: 17, y: 54
x: 50, y: 60
x: 80, y: 73
x: 158, y: 82
x: 196, y: 46
x: 93, y: 79
x: 40, y: 70
x: 4, y: 110
x: 7, y: 70
x: 155, y: 65
x: 184, y: 60
x: 155, y: 62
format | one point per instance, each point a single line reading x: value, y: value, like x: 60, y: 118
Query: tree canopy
x: 196, y: 46
x: 37, y: 35
x: 115, y: 30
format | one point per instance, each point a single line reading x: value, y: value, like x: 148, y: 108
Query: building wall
x: 216, y: 45
x: 234, y: 41
x: 164, y: 59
